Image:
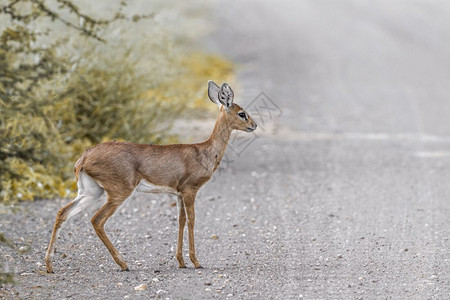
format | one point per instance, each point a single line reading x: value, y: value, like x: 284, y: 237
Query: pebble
x: 9, y: 257
x: 207, y: 290
x: 155, y: 279
x: 141, y: 287
x: 214, y: 237
x: 23, y: 249
x: 119, y: 284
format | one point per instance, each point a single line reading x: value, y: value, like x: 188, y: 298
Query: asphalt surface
x: 343, y: 193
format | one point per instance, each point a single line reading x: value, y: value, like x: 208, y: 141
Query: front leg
x: 189, y: 199
x: 181, y: 223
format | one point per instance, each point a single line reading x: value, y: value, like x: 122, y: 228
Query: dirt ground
x: 341, y: 194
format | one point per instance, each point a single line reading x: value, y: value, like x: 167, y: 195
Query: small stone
x: 10, y: 258
x: 141, y: 287
x: 155, y: 279
x: 23, y: 249
x: 214, y: 237
x: 208, y: 283
x: 339, y: 256
x: 119, y: 284
x: 230, y: 295
x: 63, y: 255
x: 207, y: 290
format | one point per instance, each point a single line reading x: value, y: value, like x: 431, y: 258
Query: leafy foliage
x: 61, y: 95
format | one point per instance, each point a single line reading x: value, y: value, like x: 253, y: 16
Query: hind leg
x: 89, y: 193
x: 99, y: 220
x: 61, y: 217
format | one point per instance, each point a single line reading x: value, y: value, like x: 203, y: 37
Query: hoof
x: 182, y: 267
x: 199, y: 267
x: 125, y: 270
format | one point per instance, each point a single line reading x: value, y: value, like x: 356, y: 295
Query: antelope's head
x: 237, y: 117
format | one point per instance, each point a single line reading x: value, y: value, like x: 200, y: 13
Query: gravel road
x: 343, y: 193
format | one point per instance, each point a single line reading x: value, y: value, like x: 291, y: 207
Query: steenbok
x: 109, y: 173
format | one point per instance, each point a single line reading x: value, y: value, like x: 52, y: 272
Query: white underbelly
x: 148, y: 187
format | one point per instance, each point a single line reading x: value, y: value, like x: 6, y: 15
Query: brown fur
x: 119, y: 168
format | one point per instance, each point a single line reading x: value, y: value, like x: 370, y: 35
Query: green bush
x: 57, y: 100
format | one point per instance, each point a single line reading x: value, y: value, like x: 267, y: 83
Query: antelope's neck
x: 218, y: 141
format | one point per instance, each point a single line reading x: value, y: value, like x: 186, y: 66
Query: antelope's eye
x: 242, y: 115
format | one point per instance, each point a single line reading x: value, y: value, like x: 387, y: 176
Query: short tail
x: 80, y: 163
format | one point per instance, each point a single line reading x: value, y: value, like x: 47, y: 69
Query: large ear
x: 226, y: 95
x: 213, y: 92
